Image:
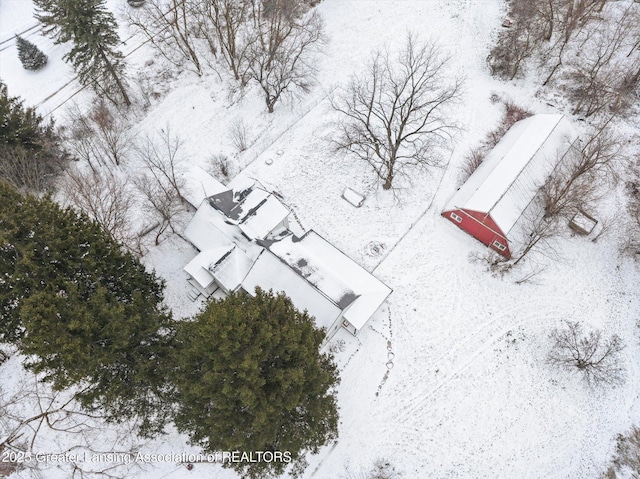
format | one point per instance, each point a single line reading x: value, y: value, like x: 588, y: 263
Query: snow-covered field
x: 450, y: 379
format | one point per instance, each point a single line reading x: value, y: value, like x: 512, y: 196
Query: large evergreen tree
x: 92, y: 30
x: 249, y: 377
x: 87, y: 314
x: 30, y: 155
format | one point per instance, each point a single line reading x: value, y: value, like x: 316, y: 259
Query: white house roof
x: 199, y: 185
x: 231, y: 269
x: 511, y: 174
x: 269, y: 272
x: 200, y: 267
x: 349, y: 286
x: 262, y: 221
x: 256, y: 211
x: 208, y: 230
x: 314, y: 274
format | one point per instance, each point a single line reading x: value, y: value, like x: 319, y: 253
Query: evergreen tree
x: 92, y: 30
x: 249, y: 377
x: 30, y: 155
x: 19, y: 125
x: 85, y: 312
x: 31, y: 57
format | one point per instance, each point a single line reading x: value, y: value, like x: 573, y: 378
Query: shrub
x: 31, y: 57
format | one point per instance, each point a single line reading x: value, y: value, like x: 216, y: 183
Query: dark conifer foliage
x: 31, y: 57
x: 92, y: 29
x: 250, y: 377
x: 86, y: 313
x: 30, y: 153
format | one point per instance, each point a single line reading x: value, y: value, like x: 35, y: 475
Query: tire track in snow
x: 464, y: 353
x: 451, y: 364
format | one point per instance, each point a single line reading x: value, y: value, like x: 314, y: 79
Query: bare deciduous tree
x: 36, y: 419
x: 569, y: 19
x: 99, y: 137
x: 396, y: 115
x: 80, y: 138
x: 22, y: 170
x: 597, y: 77
x: 281, y: 50
x: 162, y: 156
x: 595, y: 356
x: 579, y: 177
x: 112, y: 131
x: 161, y: 202
x: 516, y: 44
x: 225, y: 24
x: 537, y: 233
x: 106, y: 198
x: 161, y: 183
x: 170, y: 27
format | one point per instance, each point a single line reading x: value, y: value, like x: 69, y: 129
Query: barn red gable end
x: 482, y: 227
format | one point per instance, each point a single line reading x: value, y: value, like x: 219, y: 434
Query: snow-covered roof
x: 200, y: 267
x: 313, y: 273
x: 349, y: 286
x: 269, y: 272
x: 199, y: 185
x: 265, y: 219
x: 512, y: 173
x: 208, y: 230
x: 231, y: 269
x: 254, y: 209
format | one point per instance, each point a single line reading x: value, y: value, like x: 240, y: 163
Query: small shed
x: 582, y: 223
x: 353, y: 197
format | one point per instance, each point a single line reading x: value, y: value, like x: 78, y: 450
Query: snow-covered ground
x: 450, y: 379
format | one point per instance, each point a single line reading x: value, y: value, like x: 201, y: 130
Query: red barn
x: 495, y: 196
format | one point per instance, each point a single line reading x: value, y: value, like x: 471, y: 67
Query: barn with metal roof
x: 491, y: 202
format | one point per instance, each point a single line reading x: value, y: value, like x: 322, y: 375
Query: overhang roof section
x: 512, y: 173
x: 199, y: 185
x: 200, y: 267
x: 349, y: 286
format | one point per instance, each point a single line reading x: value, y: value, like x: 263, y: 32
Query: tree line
x: 268, y: 43
x: 590, y: 49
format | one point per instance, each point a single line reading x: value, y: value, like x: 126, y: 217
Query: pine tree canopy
x: 92, y: 30
x: 249, y: 377
x: 30, y: 55
x: 85, y: 312
x: 30, y: 153
x: 20, y: 126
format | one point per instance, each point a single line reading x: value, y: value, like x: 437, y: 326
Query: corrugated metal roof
x: 512, y: 173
